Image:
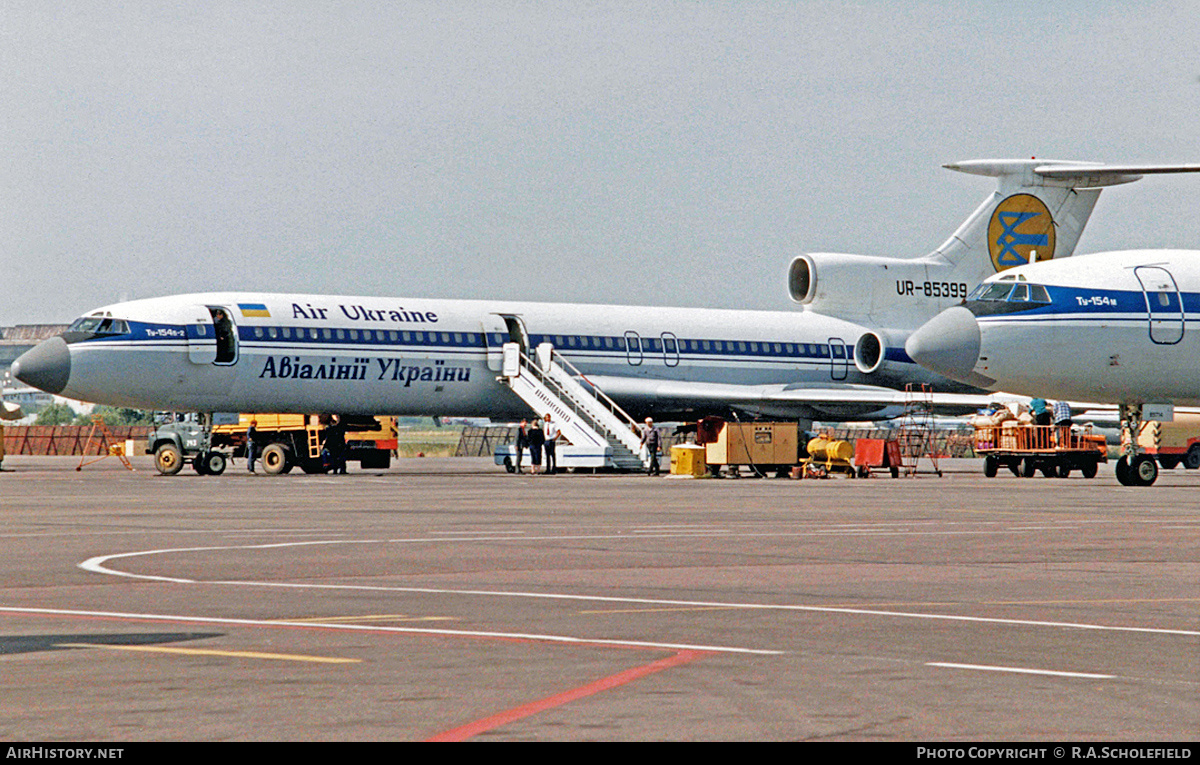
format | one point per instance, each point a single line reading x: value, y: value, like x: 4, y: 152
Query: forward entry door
x: 1164, y: 304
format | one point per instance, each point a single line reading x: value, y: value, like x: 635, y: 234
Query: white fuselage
x: 308, y: 353
x: 1118, y: 327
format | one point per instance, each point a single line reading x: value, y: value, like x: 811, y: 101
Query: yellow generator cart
x: 827, y: 456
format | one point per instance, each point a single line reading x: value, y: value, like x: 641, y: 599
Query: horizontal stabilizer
x: 1075, y: 174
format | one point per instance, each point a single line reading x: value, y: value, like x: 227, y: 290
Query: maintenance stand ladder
x: 916, y: 433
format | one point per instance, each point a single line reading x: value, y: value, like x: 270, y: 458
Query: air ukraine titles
x: 292, y: 368
x: 362, y: 313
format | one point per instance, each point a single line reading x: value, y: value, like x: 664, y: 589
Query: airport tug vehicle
x: 285, y: 441
x: 1025, y: 449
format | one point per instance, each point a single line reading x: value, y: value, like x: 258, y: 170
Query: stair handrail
x: 613, y: 406
x: 546, y: 379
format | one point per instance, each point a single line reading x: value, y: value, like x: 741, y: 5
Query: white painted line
x: 96, y: 565
x: 543, y: 638
x: 721, y: 604
x: 462, y: 533
x: 1020, y: 670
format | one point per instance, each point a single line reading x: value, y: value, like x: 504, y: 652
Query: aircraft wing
x: 827, y: 402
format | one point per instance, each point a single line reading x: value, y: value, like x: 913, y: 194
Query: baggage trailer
x: 1026, y: 449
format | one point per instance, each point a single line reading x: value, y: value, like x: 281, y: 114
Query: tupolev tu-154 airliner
x: 839, y: 355
x: 1112, y: 327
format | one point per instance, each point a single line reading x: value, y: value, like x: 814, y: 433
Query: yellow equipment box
x: 754, y: 443
x: 688, y: 459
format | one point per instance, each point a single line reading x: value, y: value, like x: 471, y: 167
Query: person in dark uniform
x: 335, y: 442
x: 251, y: 445
x: 226, y: 343
x: 536, y: 439
x: 522, y: 441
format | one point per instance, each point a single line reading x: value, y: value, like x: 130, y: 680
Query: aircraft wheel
x: 1144, y: 470
x: 199, y: 466
x: 275, y: 459
x: 214, y: 463
x: 168, y: 459
x: 1191, y: 460
x: 1122, y: 471
x: 991, y: 466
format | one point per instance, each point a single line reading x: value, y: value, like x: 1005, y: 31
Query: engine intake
x: 869, y: 352
x: 802, y: 280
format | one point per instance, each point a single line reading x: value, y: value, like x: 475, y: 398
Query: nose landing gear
x: 1134, y: 468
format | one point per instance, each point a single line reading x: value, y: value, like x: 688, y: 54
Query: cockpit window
x: 98, y: 325
x: 992, y: 291
x: 85, y: 324
x: 1021, y: 292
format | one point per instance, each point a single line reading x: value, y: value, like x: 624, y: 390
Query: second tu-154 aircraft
x: 841, y: 355
x: 1113, y: 327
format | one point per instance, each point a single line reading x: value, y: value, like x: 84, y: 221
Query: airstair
x: 601, y: 434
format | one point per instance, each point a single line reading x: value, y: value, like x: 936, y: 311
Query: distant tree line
x: 61, y: 414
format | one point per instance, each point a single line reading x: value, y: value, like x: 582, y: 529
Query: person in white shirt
x: 552, y: 433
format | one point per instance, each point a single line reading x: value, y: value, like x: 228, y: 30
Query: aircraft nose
x: 948, y: 344
x: 46, y: 366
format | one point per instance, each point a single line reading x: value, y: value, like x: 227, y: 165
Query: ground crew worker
x: 652, y: 440
x: 251, y: 445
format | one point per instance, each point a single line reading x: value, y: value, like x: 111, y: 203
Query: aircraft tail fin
x: 1039, y: 209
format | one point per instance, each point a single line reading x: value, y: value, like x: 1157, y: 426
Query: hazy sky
x: 669, y: 153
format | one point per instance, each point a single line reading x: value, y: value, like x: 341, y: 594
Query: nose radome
x: 46, y: 366
x: 949, y: 345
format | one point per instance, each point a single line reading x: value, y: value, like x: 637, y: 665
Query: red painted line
x: 464, y: 732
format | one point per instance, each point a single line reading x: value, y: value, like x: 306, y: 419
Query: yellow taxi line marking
x: 214, y: 652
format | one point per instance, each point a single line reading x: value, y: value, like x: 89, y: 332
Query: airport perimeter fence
x: 69, y: 440
x: 481, y: 441
x: 954, y: 443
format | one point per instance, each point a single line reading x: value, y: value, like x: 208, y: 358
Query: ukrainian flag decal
x: 254, y: 309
